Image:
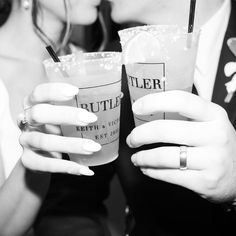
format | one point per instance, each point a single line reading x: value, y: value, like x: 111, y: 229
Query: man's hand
x: 209, y: 136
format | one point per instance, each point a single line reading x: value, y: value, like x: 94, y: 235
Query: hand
x: 210, y: 137
x: 42, y: 141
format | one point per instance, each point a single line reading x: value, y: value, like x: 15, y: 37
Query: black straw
x: 52, y: 54
x: 55, y: 58
x: 191, y: 23
x: 191, y: 16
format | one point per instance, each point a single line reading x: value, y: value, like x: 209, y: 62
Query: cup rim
x: 85, y: 57
x: 157, y: 29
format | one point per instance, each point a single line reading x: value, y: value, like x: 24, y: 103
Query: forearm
x: 20, y: 199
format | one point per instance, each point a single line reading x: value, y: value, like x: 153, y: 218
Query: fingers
x: 184, y: 103
x: 51, y: 92
x: 172, y: 131
x: 37, y: 162
x: 58, y: 115
x: 168, y: 158
x: 52, y: 129
x: 230, y: 68
x: 53, y: 143
x: 47, y: 128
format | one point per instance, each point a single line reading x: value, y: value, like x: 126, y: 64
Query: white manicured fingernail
x: 137, y: 107
x: 83, y: 170
x: 70, y: 90
x: 86, y: 171
x: 87, y: 117
x: 230, y: 68
x: 91, y: 146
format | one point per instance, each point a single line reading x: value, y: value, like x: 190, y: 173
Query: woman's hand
x: 42, y: 141
x: 210, y: 137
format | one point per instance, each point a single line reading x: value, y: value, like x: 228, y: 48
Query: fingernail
x: 82, y: 170
x: 134, y: 159
x: 87, y: 117
x: 91, y: 146
x: 86, y: 171
x: 137, y: 107
x: 70, y: 90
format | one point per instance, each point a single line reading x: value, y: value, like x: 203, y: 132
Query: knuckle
x: 36, y: 94
x: 40, y: 141
x: 221, y: 112
x: 134, y: 140
x: 218, y: 131
x: 222, y: 135
x: 35, y: 113
x: 36, y: 140
x: 31, y: 139
x: 211, y: 181
x: 25, y: 160
x: 139, y: 158
x: 22, y: 139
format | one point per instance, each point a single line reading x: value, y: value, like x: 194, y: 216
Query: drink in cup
x: 98, y: 77
x: 158, y: 59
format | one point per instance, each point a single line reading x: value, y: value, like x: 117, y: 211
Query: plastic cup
x: 98, y: 77
x: 171, y: 69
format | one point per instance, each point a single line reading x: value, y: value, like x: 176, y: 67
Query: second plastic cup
x: 170, y: 67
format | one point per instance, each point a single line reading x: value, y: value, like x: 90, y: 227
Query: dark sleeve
x: 74, y: 205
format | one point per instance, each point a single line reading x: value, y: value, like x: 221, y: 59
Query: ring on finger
x: 183, y: 158
x: 23, y: 122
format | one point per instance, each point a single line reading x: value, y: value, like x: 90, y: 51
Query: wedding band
x: 183, y: 158
x: 23, y: 122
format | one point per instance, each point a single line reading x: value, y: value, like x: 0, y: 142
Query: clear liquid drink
x: 98, y: 76
x: 167, y: 65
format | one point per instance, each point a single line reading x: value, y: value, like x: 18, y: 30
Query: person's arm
x: 22, y: 193
x: 20, y: 199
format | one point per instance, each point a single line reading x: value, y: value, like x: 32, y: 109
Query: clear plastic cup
x: 171, y: 68
x: 98, y: 77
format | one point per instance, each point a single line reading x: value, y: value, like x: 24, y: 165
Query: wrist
x: 37, y: 182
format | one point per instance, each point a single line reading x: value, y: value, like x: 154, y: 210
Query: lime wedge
x: 143, y: 47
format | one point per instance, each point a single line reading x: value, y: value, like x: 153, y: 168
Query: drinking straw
x: 191, y: 22
x: 56, y: 59
x: 191, y: 16
x: 104, y: 29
